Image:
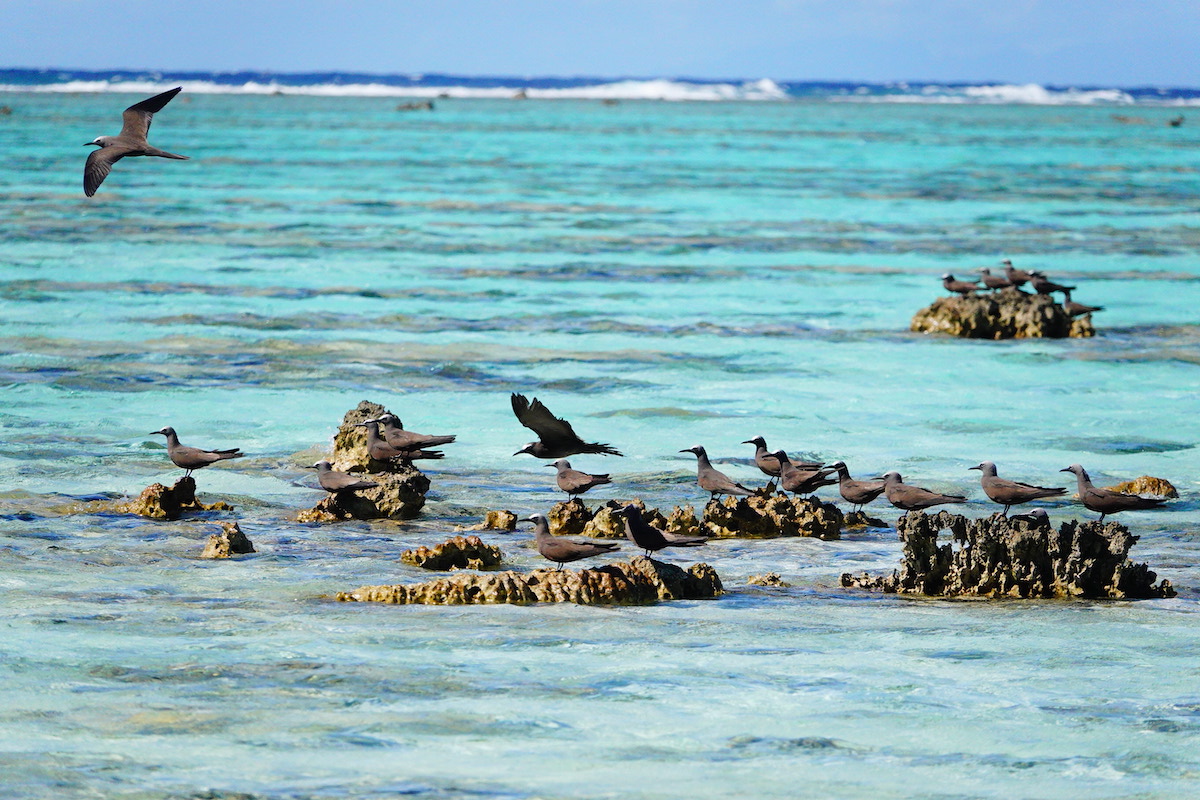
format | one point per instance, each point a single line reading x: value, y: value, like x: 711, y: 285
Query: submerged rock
x: 402, y: 487
x: 768, y: 579
x: 228, y: 543
x: 158, y: 502
x: 1007, y: 314
x: 1148, y: 486
x: 1003, y: 557
x: 461, y: 552
x: 500, y: 521
x: 860, y: 519
x: 640, y: 581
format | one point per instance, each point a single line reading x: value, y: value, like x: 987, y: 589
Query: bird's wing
x: 137, y: 117
x: 538, y: 419
x: 99, y: 164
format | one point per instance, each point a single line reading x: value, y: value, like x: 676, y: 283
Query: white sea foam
x: 659, y: 89
x: 1000, y: 94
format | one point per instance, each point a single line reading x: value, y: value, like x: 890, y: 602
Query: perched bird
x: 766, y: 461
x: 193, y: 458
x: 713, y: 480
x: 556, y: 438
x: 337, y: 482
x: 650, y: 538
x: 392, y: 431
x: 131, y: 141
x: 914, y: 498
x: 857, y: 493
x: 1017, y: 277
x: 802, y: 480
x: 993, y: 282
x: 574, y: 482
x: 1109, y: 501
x: 1074, y: 309
x: 1011, y: 493
x: 382, y: 451
x: 1042, y: 285
x: 560, y: 550
x: 964, y: 288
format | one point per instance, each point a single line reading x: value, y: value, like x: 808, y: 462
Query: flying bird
x: 556, y: 438
x: 131, y: 141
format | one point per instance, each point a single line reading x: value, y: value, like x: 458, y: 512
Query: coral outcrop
x: 1148, y: 487
x: 860, y: 519
x: 158, y: 502
x: 461, y: 552
x: 1006, y: 314
x: 759, y: 516
x: 402, y: 487
x: 228, y: 543
x: 768, y: 579
x: 1009, y: 557
x: 640, y: 581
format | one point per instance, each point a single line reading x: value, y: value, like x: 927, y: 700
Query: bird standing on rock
x: 993, y: 282
x: 574, y: 482
x: 193, y: 458
x: 1011, y: 493
x: 650, y: 538
x: 857, y: 493
x: 798, y: 480
x: 392, y: 432
x: 556, y: 438
x: 1074, y: 309
x: 1042, y: 285
x: 914, y: 498
x: 766, y: 461
x: 1109, y: 501
x: 559, y: 549
x: 712, y: 480
x: 131, y: 141
x: 380, y: 450
x: 964, y: 288
x: 1017, y: 277
x: 336, y: 482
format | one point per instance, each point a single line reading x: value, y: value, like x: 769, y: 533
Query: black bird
x: 914, y: 498
x: 857, y: 493
x: 766, y: 461
x: 382, y: 451
x: 713, y: 480
x: 1043, y: 286
x: 556, y: 438
x: 1017, y: 277
x: 650, y: 538
x: 574, y: 482
x: 193, y: 458
x: 1011, y: 493
x: 559, y: 549
x: 392, y: 431
x: 802, y: 480
x: 1074, y: 309
x: 1109, y: 501
x: 965, y: 288
x: 337, y: 482
x: 131, y: 141
x: 993, y: 282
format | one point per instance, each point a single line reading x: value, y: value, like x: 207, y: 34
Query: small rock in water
x: 1148, y: 486
x: 769, y: 579
x: 158, y: 502
x: 1007, y: 314
x: 461, y: 552
x: 761, y: 516
x: 228, y: 543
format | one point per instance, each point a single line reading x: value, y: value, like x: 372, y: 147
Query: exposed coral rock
x: 461, y: 552
x: 401, y: 490
x: 1146, y: 485
x: 228, y: 543
x: 158, y: 502
x: 859, y: 519
x: 573, y: 518
x: 640, y: 581
x: 766, y: 517
x: 1002, y: 557
x: 769, y: 579
x: 1007, y: 314
x: 500, y: 521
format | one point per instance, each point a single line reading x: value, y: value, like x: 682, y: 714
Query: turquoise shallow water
x: 663, y: 275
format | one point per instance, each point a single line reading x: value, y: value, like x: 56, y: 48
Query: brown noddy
x: 993, y: 282
x: 766, y: 461
x: 1035, y: 516
x: 1017, y: 277
x: 650, y: 538
x: 556, y: 438
x: 193, y: 458
x: 857, y: 493
x: 574, y: 482
x: 1042, y: 285
x: 1011, y: 493
x: 559, y: 549
x: 131, y: 141
x: 382, y: 451
x: 392, y: 432
x: 337, y: 482
x: 965, y: 288
x: 800, y: 480
x: 1108, y: 501
x: 1074, y: 309
x: 712, y: 480
x: 914, y: 498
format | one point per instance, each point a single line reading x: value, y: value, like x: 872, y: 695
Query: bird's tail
x: 602, y: 449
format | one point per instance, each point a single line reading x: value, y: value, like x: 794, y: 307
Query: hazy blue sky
x: 1106, y: 42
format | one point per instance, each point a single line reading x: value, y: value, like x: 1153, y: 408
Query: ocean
x: 664, y: 263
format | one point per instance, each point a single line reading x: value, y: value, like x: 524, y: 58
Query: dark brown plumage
x: 193, y: 458
x: 1074, y: 309
x: 392, y: 431
x: 131, y: 141
x: 382, y: 451
x: 650, y: 538
x: 964, y: 288
x: 712, y: 480
x: 335, y: 482
x: 766, y: 461
x: 574, y: 482
x: 560, y: 550
x: 1011, y: 493
x: 914, y: 498
x: 556, y: 438
x: 993, y: 282
x: 1017, y: 277
x: 802, y: 480
x: 857, y: 493
x: 1108, y: 501
x: 1042, y: 285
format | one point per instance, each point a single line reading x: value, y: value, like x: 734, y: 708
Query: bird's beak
x: 518, y: 452
x: 689, y: 451
x: 1068, y: 469
x: 544, y: 465
x: 977, y: 467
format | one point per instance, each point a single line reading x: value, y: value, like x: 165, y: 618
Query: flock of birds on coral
x: 1014, y: 279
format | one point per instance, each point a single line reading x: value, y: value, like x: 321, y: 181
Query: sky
x: 1062, y: 42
